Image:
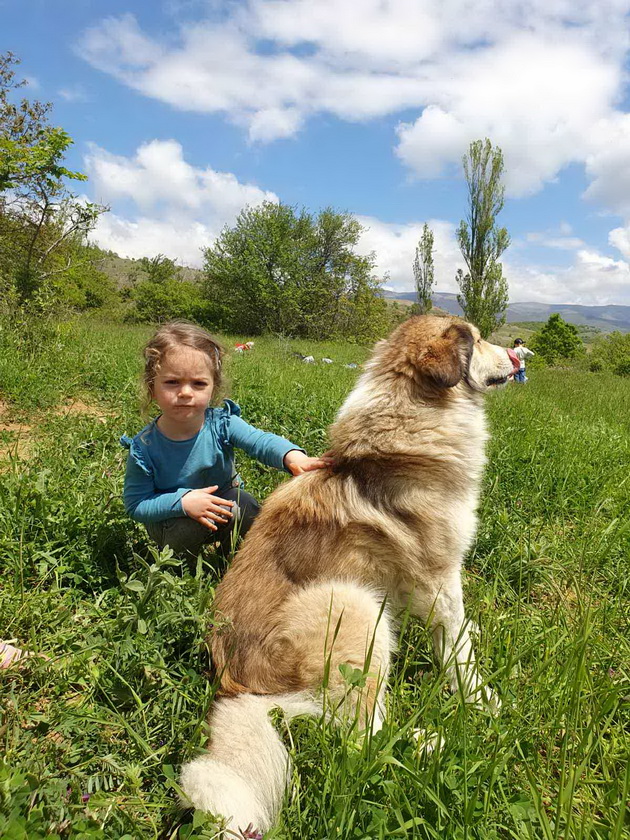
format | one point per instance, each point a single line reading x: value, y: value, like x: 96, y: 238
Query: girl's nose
x: 185, y: 390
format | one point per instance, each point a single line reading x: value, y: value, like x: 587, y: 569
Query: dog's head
x: 440, y: 353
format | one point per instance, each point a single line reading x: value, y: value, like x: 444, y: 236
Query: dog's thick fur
x: 392, y: 518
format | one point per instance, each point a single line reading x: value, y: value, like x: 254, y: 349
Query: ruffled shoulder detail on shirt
x: 134, y: 445
x: 222, y: 416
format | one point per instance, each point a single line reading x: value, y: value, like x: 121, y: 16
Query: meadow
x: 92, y: 737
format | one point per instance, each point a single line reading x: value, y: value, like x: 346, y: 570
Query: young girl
x: 181, y: 482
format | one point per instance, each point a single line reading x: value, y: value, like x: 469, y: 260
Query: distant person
x: 523, y: 353
x: 181, y: 482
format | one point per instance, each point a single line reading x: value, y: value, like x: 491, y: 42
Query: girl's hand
x: 205, y: 508
x: 298, y: 462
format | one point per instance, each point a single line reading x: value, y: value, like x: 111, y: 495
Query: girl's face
x: 183, y: 385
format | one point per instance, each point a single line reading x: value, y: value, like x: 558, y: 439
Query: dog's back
x: 303, y: 535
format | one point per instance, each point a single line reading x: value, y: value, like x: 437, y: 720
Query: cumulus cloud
x: 543, y: 79
x: 608, y: 165
x: 394, y: 248
x: 176, y: 208
x: 535, y: 98
x: 591, y: 279
x: 536, y: 76
x: 551, y: 239
x: 166, y: 205
x: 145, y: 236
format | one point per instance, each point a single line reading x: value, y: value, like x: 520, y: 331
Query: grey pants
x: 187, y: 537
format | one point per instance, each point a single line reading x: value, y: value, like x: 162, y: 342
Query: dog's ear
x: 445, y: 360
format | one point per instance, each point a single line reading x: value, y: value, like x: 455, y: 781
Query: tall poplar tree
x: 423, y: 270
x: 483, y: 288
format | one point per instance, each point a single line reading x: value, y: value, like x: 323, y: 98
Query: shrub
x: 611, y: 352
x: 158, y: 302
x: 557, y: 340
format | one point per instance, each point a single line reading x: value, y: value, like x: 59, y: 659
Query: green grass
x: 121, y: 701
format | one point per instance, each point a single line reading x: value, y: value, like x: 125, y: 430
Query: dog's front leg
x: 441, y: 605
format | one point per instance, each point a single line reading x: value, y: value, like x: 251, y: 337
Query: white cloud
x: 536, y: 98
x: 394, y: 247
x: 145, y: 236
x: 74, y: 93
x: 562, y: 242
x: 591, y: 279
x: 176, y: 208
x: 619, y: 238
x: 608, y: 164
x: 533, y: 75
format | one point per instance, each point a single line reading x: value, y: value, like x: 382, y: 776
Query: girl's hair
x: 172, y: 336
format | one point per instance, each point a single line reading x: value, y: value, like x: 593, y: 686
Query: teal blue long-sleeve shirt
x: 160, y: 470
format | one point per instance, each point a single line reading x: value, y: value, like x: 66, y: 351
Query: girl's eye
x: 201, y: 384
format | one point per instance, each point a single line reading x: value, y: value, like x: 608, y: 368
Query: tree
x: 40, y: 220
x: 557, y: 340
x: 285, y: 271
x: 484, y: 290
x: 156, y: 302
x: 611, y: 352
x: 156, y: 269
x: 161, y: 294
x: 423, y: 271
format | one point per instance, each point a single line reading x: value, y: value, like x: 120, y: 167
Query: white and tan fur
x: 390, y: 521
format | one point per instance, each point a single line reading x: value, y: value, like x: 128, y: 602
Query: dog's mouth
x: 494, y: 381
x: 498, y: 381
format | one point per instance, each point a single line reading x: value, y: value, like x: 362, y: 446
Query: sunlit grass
x: 92, y: 738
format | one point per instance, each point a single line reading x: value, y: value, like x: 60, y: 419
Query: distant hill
x: 605, y: 318
x: 121, y: 269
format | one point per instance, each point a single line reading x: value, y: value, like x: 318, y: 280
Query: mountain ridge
x: 606, y: 318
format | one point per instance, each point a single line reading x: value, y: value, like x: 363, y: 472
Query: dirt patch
x: 14, y: 436
x: 78, y: 408
x: 17, y: 436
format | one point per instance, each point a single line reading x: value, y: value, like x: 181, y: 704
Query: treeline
x: 557, y: 342
x: 279, y: 271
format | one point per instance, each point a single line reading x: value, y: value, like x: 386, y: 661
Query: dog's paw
x: 479, y: 696
x: 427, y: 742
x: 492, y: 701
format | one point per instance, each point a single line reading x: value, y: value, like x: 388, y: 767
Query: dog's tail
x: 245, y: 773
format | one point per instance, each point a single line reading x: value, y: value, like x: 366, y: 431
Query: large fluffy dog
x: 391, y: 519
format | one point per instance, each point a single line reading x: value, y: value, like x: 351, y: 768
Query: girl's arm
x: 143, y: 502
x: 266, y: 447
x: 528, y: 352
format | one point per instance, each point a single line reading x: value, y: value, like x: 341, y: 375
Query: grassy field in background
x: 91, y: 739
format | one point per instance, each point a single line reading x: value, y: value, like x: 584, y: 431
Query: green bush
x: 154, y: 303
x: 611, y: 352
x: 557, y: 341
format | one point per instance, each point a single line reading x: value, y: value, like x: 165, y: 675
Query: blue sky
x: 183, y: 111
